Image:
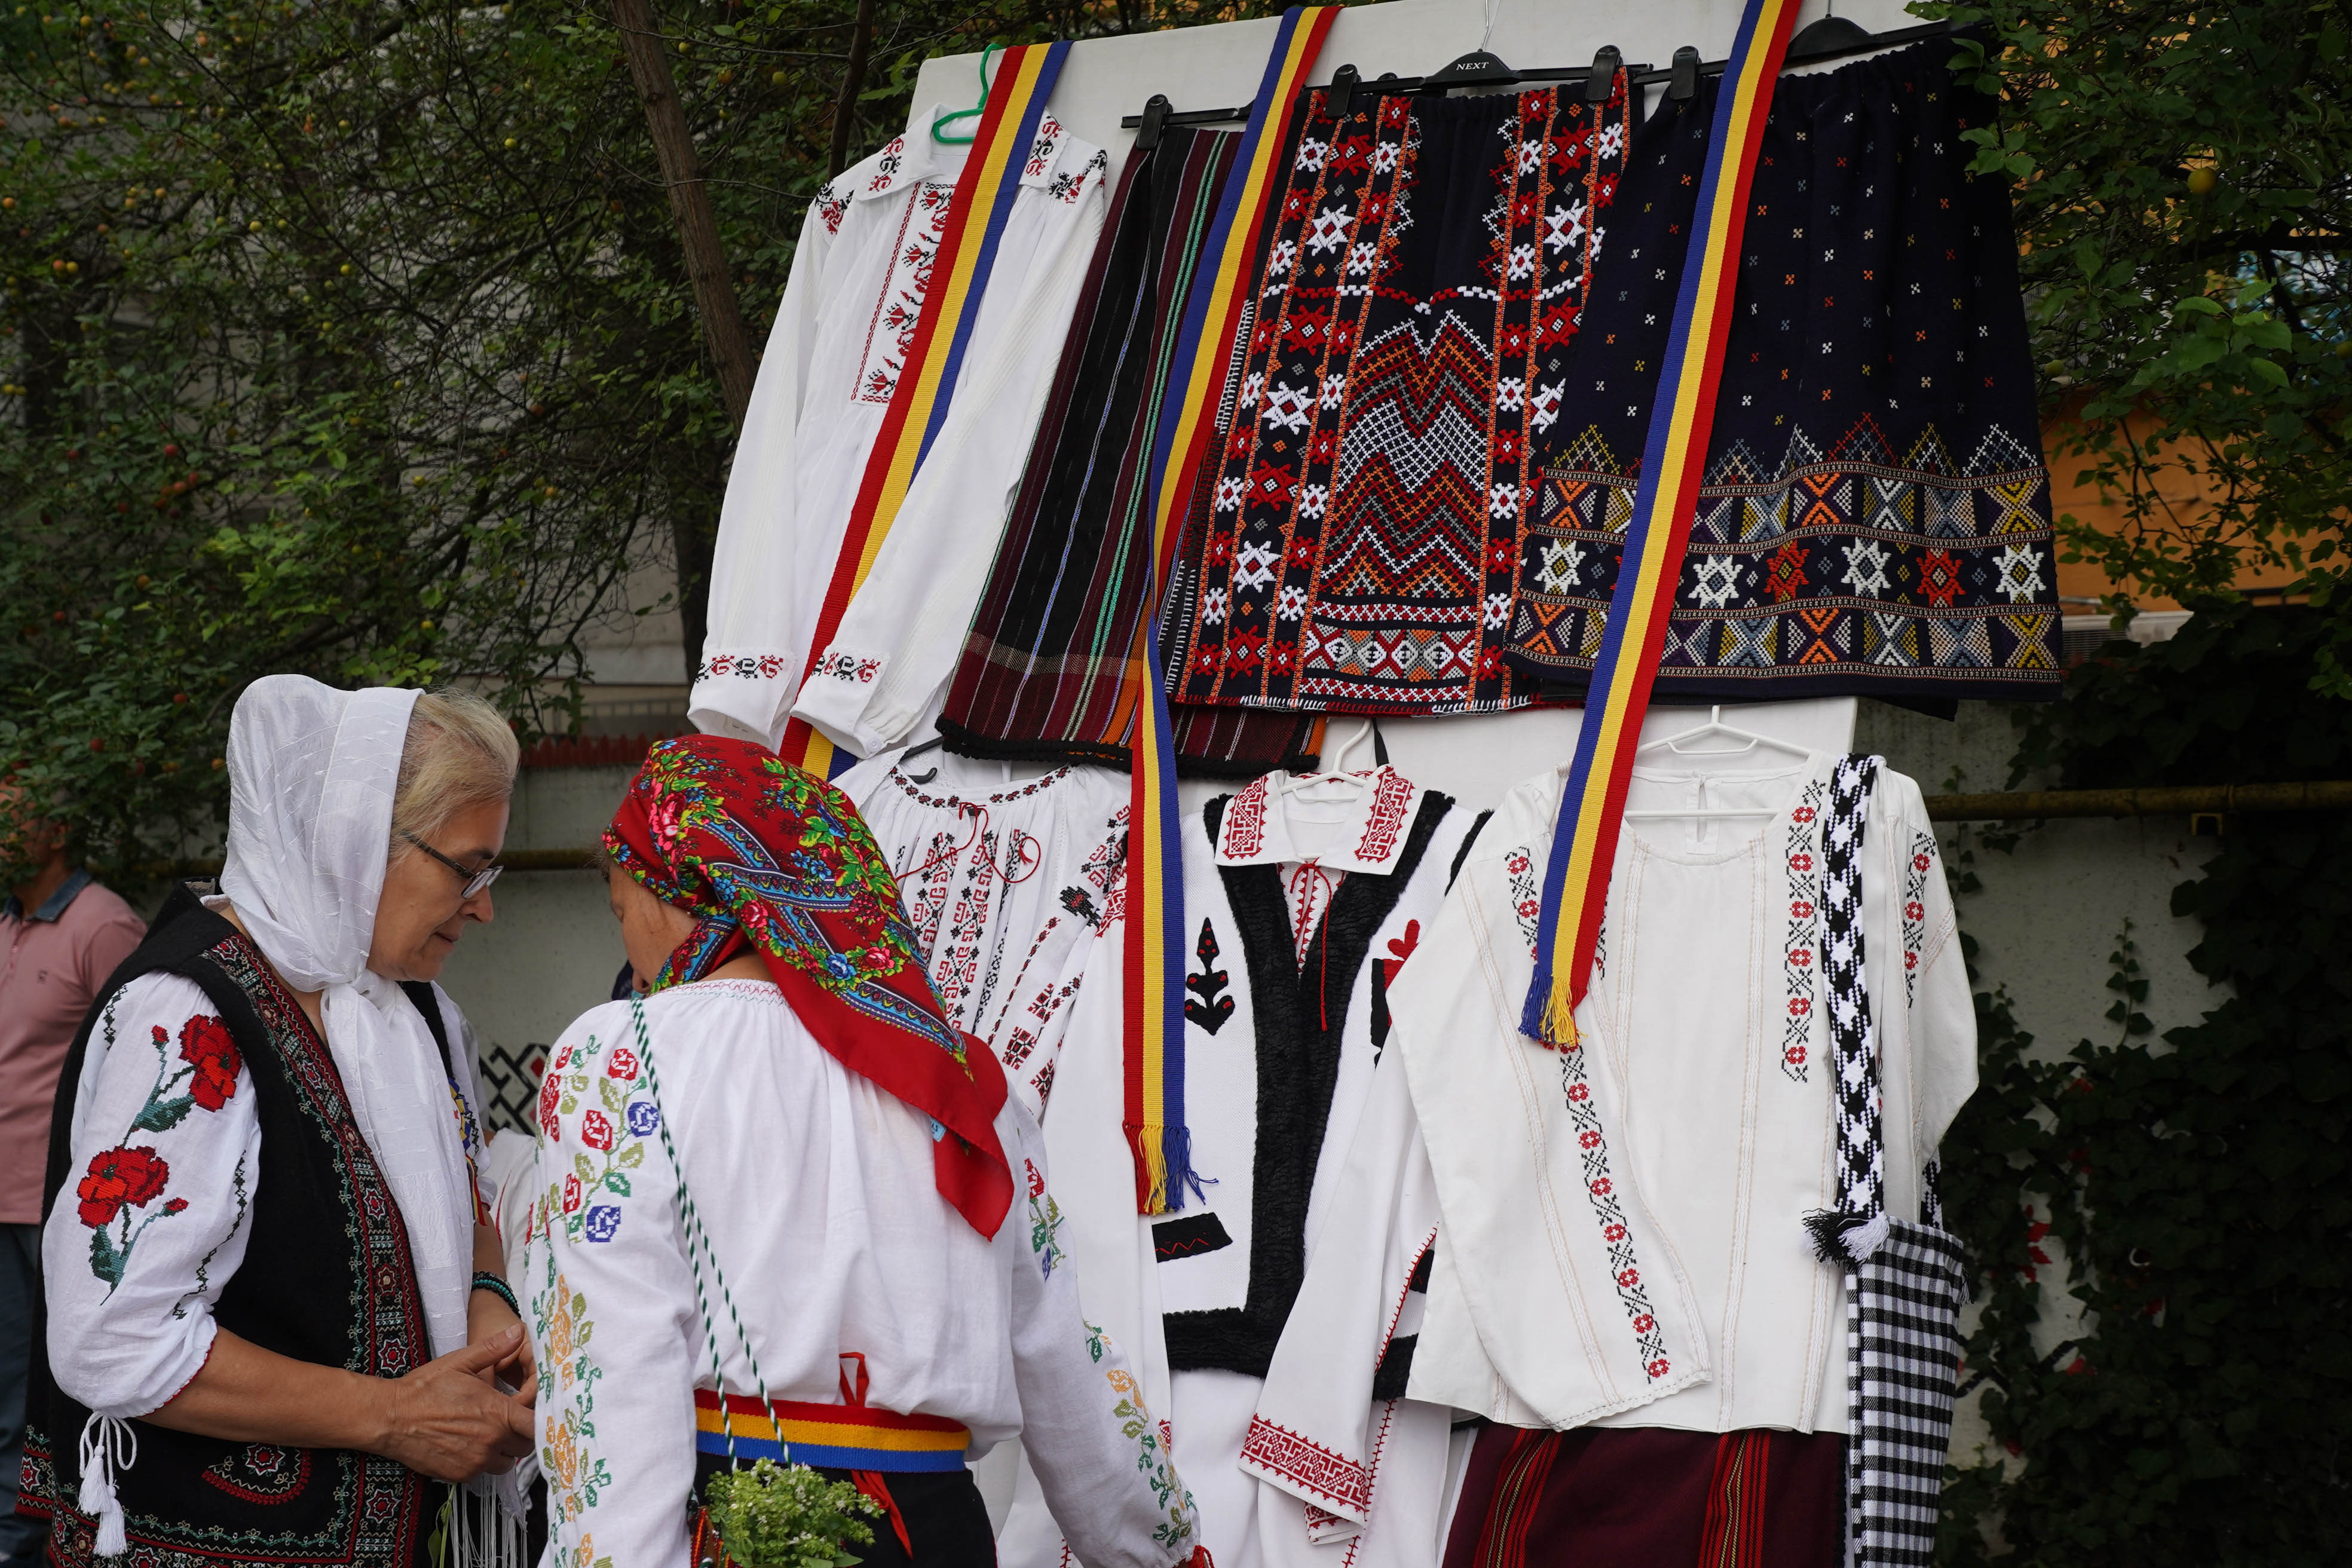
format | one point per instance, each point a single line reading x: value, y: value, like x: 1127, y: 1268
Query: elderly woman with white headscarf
x: 274, y: 1308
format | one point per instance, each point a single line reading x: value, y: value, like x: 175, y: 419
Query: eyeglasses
x: 475, y: 879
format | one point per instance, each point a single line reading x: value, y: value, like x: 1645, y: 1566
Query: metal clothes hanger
x: 1715, y: 729
x: 974, y: 112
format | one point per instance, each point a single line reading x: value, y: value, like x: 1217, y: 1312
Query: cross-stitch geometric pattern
x: 510, y: 1077
x: 1874, y: 509
x: 1415, y: 307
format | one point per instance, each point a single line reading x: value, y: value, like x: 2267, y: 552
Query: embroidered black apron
x: 1875, y: 516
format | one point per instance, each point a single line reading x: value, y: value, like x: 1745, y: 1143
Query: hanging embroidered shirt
x: 1874, y: 512
x: 858, y: 281
x: 814, y: 1193
x: 1634, y: 1254
x: 1401, y: 375
x: 1281, y: 1053
x: 1331, y: 1431
x: 153, y: 1223
x: 1285, y: 1044
x: 1007, y: 891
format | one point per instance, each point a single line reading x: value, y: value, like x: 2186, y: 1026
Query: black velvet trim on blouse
x: 1301, y: 1014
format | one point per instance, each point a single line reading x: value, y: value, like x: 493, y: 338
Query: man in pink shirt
x: 61, y: 935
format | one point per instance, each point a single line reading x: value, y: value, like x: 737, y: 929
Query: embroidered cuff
x: 838, y: 700
x: 743, y: 692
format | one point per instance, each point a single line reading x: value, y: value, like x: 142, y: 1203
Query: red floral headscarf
x: 775, y: 861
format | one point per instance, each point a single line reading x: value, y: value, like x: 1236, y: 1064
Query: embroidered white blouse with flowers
x: 833, y: 360
x: 1007, y: 889
x: 1623, y: 1221
x: 816, y: 1192
x: 166, y: 1151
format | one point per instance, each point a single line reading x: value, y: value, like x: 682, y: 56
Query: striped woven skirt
x: 1650, y: 1498
x: 1052, y: 669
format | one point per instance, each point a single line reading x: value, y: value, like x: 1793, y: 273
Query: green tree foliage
x: 353, y: 339
x: 2192, y: 1195
x: 2183, y: 179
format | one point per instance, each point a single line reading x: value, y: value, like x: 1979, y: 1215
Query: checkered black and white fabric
x: 1903, y: 1342
x: 1854, y: 1228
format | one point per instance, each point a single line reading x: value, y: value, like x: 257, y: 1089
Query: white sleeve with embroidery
x: 609, y: 1301
x: 1099, y: 1455
x: 152, y: 1221
x: 1936, y: 983
x: 750, y: 622
x: 1318, y: 1433
x: 899, y: 640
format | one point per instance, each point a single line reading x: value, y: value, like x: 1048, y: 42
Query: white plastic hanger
x: 1334, y: 784
x: 1713, y: 728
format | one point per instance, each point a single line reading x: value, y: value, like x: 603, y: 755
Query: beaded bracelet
x: 501, y: 1288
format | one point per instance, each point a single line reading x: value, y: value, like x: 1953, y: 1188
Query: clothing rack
x: 1830, y: 38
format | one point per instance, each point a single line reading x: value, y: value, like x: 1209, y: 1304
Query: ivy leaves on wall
x: 2192, y: 1192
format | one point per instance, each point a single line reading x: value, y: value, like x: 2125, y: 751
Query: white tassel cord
x: 107, y: 1445
x: 482, y: 1534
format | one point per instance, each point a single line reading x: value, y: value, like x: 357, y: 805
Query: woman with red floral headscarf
x: 784, y: 1210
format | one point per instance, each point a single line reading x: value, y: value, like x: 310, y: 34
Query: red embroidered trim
x: 1381, y: 831
x: 1804, y: 935
x: 1245, y: 823
x: 1279, y: 1451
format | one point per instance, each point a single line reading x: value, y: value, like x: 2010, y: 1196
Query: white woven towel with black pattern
x: 1852, y: 1231
x: 1903, y: 1342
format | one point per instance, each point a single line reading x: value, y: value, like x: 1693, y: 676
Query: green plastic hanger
x: 974, y: 112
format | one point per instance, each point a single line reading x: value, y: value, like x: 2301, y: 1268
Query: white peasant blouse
x: 827, y: 1238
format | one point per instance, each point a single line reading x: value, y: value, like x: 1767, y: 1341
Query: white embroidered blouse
x: 166, y: 1150
x: 841, y: 338
x: 1624, y: 1235
x: 826, y: 1238
x: 1007, y: 890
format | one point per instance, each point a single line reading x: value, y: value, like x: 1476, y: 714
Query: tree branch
x: 698, y: 227
x: 853, y: 79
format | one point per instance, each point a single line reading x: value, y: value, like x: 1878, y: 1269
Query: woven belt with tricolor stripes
x: 830, y: 1436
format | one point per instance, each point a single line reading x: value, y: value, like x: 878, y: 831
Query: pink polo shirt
x: 51, y: 965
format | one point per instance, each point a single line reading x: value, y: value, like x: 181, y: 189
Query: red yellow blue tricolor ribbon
x: 1155, y: 861
x: 984, y: 199
x: 1592, y: 807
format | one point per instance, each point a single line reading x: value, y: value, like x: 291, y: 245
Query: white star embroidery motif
x: 1562, y: 568
x: 1715, y: 580
x: 1865, y: 567
x: 2020, y: 572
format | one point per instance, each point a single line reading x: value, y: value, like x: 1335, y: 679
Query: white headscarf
x: 311, y: 773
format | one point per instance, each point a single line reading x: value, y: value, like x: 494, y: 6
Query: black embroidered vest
x: 327, y: 1278
x: 1302, y: 1016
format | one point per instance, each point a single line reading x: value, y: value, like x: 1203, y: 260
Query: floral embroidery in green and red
x: 128, y: 1178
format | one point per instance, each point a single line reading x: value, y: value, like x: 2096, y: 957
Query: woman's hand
x: 449, y: 1421
x: 487, y: 1317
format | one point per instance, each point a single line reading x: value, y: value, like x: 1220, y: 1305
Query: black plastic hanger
x: 1684, y: 84
x: 1479, y: 68
x: 1830, y: 38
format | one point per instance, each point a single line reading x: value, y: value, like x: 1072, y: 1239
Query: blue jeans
x: 20, y: 1289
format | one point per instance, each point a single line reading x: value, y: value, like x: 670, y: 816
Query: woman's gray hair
x: 459, y: 752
